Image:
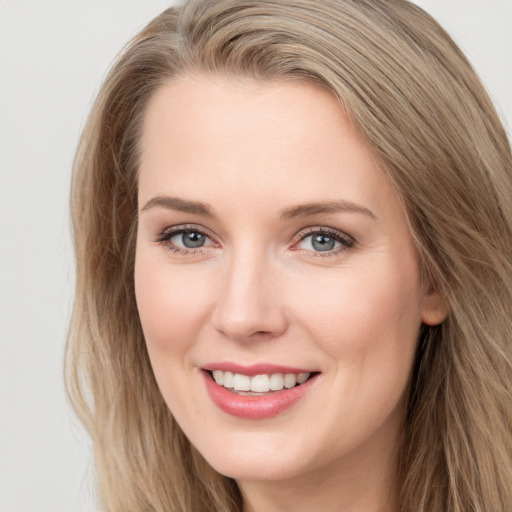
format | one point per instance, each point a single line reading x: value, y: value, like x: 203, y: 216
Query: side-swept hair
x: 423, y: 111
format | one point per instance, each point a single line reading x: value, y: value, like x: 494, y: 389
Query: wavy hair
x: 423, y: 111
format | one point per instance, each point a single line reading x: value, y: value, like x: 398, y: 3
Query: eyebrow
x: 302, y: 210
x: 182, y: 205
x: 305, y: 210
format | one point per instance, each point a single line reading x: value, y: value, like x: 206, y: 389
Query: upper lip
x: 254, y: 369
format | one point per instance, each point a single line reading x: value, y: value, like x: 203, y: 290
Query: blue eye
x: 325, y: 241
x: 183, y: 239
x: 189, y: 239
x: 321, y: 242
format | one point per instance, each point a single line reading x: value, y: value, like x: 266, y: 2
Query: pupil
x: 193, y: 239
x: 323, y: 243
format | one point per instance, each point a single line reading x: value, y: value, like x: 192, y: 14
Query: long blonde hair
x: 425, y: 114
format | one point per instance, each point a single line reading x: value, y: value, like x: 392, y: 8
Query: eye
x: 184, y: 239
x: 189, y: 239
x: 324, y: 240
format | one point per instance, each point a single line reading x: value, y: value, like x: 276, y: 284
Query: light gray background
x: 53, y: 55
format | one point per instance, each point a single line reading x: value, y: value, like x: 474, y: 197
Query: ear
x: 434, y: 308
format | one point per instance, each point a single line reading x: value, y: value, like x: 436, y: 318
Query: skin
x: 258, y: 291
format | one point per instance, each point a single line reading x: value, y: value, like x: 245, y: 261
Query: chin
x: 258, y: 457
x: 261, y: 469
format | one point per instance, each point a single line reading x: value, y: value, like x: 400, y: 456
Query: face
x: 274, y: 256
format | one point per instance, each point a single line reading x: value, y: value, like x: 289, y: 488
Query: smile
x: 258, y: 384
x: 258, y: 395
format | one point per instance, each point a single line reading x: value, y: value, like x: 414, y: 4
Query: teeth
x: 276, y: 381
x: 228, y: 380
x: 290, y: 379
x: 219, y: 377
x: 241, y: 382
x: 259, y: 383
x: 302, y: 377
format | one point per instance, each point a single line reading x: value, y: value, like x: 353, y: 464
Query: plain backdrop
x: 53, y: 56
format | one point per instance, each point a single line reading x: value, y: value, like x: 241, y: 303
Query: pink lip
x: 254, y: 369
x: 255, y: 407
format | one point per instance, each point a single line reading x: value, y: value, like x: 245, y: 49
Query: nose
x: 250, y: 305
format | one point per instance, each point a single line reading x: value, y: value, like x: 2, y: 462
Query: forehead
x: 281, y: 139
x: 202, y: 106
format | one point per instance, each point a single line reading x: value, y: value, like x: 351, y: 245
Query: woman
x: 293, y: 226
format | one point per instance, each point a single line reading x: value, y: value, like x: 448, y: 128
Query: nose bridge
x: 249, y: 301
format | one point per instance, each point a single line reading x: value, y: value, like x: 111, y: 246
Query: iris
x: 193, y: 239
x: 322, y: 242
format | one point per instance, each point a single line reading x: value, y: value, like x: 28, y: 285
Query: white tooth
x: 302, y: 377
x: 276, y: 381
x: 290, y: 379
x: 228, y: 380
x: 218, y: 375
x: 260, y: 383
x: 241, y: 382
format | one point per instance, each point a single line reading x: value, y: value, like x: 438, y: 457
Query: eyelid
x: 347, y: 241
x: 163, y: 237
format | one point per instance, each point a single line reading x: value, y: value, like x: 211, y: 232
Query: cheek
x: 171, y: 303
x: 172, y: 306
x: 367, y: 321
x: 367, y: 325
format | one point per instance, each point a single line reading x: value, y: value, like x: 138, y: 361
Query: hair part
x: 420, y: 106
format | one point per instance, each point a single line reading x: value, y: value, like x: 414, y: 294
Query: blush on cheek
x: 161, y: 319
x: 372, y: 313
x: 169, y: 303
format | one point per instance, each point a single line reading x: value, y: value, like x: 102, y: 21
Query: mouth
x: 258, y: 395
x: 258, y: 385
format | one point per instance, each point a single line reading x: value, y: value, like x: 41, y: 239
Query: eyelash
x: 165, y: 236
x: 346, y: 242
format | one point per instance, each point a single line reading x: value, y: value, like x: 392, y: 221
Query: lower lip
x: 255, y: 407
